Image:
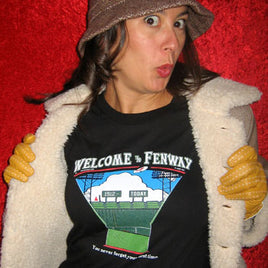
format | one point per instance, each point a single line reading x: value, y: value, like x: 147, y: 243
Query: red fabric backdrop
x: 37, y: 54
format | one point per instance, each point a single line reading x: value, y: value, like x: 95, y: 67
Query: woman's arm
x: 245, y: 114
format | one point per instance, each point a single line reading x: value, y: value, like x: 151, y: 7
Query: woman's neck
x: 129, y: 102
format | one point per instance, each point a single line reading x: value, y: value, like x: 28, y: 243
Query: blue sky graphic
x: 146, y: 177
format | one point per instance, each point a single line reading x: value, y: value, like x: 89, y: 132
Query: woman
x: 135, y: 138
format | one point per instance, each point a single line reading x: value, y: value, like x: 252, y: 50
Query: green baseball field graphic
x: 127, y: 202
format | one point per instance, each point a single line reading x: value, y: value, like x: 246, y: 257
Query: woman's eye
x: 152, y: 20
x: 180, y: 23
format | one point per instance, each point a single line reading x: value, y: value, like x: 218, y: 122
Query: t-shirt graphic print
x: 127, y: 192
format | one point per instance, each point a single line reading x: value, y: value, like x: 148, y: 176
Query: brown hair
x: 95, y: 67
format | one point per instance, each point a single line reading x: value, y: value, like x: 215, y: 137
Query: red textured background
x: 37, y: 54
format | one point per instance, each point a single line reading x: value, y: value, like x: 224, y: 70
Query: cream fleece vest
x: 36, y: 223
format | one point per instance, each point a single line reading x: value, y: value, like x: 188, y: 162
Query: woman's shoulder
x: 73, y: 96
x: 230, y: 89
x: 221, y: 95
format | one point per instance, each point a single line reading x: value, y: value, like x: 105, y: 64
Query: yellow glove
x: 245, y: 180
x: 19, y: 167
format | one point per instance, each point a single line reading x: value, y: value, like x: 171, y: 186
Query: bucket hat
x: 103, y: 14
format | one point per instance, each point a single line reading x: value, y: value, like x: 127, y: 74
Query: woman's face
x: 153, y: 45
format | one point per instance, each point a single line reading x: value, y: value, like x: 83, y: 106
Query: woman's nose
x: 170, y: 40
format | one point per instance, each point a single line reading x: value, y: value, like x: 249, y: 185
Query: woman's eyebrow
x: 183, y: 13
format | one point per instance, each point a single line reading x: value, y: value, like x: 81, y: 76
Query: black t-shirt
x: 135, y: 191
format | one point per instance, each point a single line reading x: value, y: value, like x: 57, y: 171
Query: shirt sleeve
x: 255, y: 229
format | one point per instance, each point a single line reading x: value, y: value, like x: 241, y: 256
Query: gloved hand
x: 19, y: 167
x: 245, y: 180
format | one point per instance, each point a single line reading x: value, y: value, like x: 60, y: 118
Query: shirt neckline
x: 132, y: 118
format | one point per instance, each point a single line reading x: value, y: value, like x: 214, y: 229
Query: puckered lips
x: 164, y: 70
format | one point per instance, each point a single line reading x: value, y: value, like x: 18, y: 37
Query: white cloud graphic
x: 123, y: 182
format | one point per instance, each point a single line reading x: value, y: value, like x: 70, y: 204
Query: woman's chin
x: 157, y: 89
